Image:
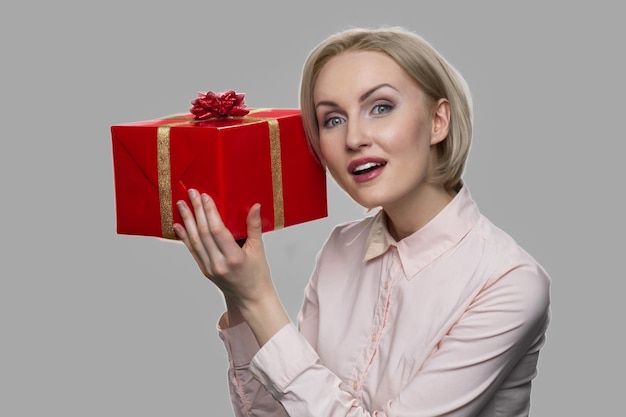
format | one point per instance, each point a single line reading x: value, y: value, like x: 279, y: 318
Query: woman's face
x: 376, y: 129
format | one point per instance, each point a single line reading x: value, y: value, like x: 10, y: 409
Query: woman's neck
x: 413, y: 212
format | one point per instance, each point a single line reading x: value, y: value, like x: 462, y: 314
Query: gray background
x: 97, y: 324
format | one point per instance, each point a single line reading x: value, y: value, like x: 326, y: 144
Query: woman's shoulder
x: 508, y: 257
x: 344, y: 249
x: 349, y: 239
x: 354, y: 230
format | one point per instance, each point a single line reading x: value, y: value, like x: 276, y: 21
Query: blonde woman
x: 421, y: 308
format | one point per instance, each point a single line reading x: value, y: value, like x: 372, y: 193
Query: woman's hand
x: 241, y: 273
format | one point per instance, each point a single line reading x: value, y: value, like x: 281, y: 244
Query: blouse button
x: 386, y: 285
x: 355, y: 385
x: 373, y: 337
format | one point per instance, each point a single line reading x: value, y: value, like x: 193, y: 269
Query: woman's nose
x: 357, y: 136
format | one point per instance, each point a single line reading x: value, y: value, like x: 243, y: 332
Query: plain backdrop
x: 97, y: 324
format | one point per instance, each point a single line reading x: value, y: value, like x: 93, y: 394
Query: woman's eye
x: 381, y: 108
x: 333, y: 121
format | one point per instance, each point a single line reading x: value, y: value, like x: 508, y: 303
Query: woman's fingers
x: 222, y: 237
x: 184, y: 237
x: 216, y: 251
x: 254, y: 224
x: 197, y: 234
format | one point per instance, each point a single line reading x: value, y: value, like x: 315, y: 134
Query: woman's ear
x: 441, y: 121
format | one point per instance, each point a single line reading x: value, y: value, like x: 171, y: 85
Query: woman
x: 423, y: 308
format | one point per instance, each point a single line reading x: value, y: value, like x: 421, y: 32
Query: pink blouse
x: 446, y: 322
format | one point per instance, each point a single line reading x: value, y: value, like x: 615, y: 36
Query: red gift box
x: 262, y: 157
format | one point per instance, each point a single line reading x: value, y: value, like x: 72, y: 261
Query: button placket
x: 391, y: 269
x: 383, y: 305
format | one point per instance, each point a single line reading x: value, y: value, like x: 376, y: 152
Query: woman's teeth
x: 368, y: 166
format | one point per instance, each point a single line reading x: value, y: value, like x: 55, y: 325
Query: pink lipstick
x: 366, y: 169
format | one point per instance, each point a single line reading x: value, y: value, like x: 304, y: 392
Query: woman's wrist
x: 233, y: 313
x: 265, y: 317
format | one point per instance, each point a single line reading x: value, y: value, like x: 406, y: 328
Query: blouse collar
x: 440, y: 234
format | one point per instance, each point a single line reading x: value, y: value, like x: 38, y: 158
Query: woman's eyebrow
x: 372, y: 90
x: 326, y: 103
x: 363, y: 97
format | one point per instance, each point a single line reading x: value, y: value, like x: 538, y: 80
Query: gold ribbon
x: 276, y: 166
x: 165, y: 180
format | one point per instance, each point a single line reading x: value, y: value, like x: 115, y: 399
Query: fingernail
x: 205, y: 198
x: 192, y: 192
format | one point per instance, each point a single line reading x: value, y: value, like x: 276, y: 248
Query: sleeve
x: 496, y: 341
x: 248, y: 397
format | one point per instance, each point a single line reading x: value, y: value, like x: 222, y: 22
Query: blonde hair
x: 425, y: 65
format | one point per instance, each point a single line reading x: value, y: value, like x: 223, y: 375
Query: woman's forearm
x: 265, y: 317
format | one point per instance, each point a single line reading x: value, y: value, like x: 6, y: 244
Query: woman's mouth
x: 366, y: 170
